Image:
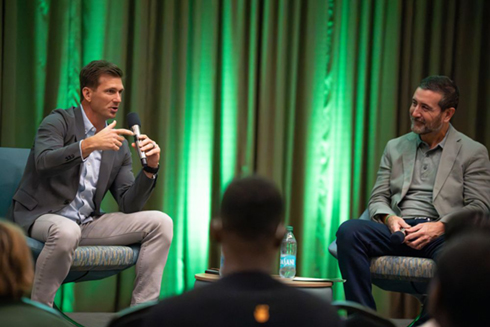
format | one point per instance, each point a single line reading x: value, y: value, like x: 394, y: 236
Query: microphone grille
x: 397, y: 238
x: 133, y: 119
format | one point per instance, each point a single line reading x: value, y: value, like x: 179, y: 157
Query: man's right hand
x: 395, y: 223
x: 108, y: 138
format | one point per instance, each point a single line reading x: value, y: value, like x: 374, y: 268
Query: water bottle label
x: 288, y: 261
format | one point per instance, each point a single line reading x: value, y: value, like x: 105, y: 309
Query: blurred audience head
x: 460, y: 290
x: 16, y: 266
x: 467, y: 222
x: 252, y: 209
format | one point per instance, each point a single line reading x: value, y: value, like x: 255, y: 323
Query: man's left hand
x: 420, y: 235
x: 152, y: 151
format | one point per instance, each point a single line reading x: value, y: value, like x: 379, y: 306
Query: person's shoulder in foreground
x: 25, y: 312
x: 244, y: 299
x: 460, y: 290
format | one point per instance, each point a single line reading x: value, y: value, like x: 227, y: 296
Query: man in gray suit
x: 76, y: 158
x: 425, y: 177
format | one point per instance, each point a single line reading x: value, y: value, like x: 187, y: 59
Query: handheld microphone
x: 134, y: 124
x: 398, y: 237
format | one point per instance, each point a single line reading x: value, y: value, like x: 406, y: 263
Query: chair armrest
x: 35, y: 246
x: 332, y: 248
x: 365, y: 215
x: 133, y: 316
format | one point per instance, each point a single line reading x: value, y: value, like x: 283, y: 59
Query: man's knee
x: 162, y: 224
x: 348, y: 231
x: 66, y: 237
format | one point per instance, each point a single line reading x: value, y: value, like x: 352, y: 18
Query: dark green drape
x: 304, y: 92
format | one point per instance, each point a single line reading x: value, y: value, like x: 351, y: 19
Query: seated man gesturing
x: 76, y: 158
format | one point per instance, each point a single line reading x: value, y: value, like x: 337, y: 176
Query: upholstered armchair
x: 399, y: 274
x: 89, y: 262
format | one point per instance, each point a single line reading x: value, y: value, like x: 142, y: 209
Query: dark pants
x: 360, y: 240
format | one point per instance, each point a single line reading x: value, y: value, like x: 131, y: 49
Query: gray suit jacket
x: 462, y: 181
x: 52, y: 174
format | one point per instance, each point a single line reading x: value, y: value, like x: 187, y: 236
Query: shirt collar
x: 440, y: 144
x: 89, y: 127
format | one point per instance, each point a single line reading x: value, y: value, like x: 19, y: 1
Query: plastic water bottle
x: 288, y: 255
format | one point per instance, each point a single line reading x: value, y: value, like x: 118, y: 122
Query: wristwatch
x: 151, y: 170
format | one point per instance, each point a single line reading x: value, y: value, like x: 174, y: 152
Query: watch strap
x: 151, y: 170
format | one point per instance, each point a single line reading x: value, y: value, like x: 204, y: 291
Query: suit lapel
x: 409, y: 153
x: 80, y: 126
x: 448, y: 158
x: 79, y: 130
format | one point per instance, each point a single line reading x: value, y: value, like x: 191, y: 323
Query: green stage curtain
x: 306, y: 92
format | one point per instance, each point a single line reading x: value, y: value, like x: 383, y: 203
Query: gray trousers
x: 153, y: 229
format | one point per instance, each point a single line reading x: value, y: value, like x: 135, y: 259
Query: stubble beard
x: 434, y: 127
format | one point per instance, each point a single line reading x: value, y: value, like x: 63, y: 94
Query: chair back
x: 360, y: 316
x: 12, y: 164
x: 133, y: 316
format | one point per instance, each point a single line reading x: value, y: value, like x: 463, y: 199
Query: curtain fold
x: 304, y: 92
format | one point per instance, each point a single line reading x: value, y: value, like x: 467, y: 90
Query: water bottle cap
x: 289, y: 228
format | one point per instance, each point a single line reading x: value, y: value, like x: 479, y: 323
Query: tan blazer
x: 462, y: 181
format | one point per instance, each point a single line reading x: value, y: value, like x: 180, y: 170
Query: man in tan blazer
x: 424, y: 178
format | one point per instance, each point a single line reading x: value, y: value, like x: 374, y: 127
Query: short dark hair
x: 90, y: 74
x: 462, y: 273
x: 445, y: 86
x: 252, y: 207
